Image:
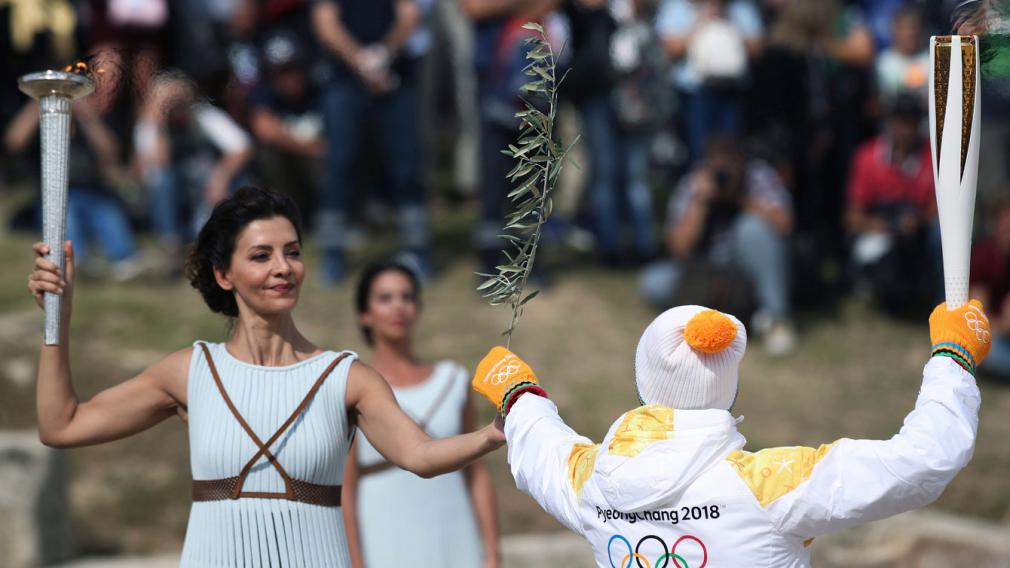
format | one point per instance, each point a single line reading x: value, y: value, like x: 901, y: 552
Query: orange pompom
x: 710, y: 332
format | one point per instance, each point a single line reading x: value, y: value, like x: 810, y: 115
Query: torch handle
x: 54, y: 135
x: 956, y: 292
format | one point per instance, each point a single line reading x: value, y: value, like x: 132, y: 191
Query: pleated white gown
x: 266, y: 532
x: 405, y: 520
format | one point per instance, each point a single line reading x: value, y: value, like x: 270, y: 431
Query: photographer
x: 731, y: 213
x: 286, y: 121
x: 891, y: 213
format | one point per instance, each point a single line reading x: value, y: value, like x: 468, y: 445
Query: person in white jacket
x: 670, y: 486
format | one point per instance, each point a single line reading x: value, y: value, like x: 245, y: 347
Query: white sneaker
x: 780, y: 339
x: 125, y: 270
x: 761, y: 322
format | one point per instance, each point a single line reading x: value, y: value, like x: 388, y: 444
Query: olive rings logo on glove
x: 503, y: 371
x: 977, y: 325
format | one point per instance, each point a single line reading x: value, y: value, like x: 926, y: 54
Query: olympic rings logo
x: 978, y: 326
x: 503, y: 371
x: 665, y: 558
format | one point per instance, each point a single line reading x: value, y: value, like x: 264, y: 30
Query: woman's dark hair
x: 216, y: 242
x: 368, y: 278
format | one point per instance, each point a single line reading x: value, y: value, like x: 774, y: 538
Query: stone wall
x: 920, y: 539
x: 35, y: 525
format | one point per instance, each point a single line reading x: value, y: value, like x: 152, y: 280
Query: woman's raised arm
x: 132, y: 406
x: 371, y: 404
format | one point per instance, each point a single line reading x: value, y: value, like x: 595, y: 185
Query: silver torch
x: 55, y: 90
x: 954, y: 124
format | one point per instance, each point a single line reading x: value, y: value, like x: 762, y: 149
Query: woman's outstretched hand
x: 496, y: 432
x: 45, y: 276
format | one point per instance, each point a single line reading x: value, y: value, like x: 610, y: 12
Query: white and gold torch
x: 954, y: 124
x: 55, y: 90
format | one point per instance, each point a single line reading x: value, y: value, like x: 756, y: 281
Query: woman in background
x: 393, y: 517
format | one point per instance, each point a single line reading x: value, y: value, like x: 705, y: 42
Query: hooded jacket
x: 672, y: 488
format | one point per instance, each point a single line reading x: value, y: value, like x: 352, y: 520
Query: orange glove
x: 502, y: 377
x: 962, y: 334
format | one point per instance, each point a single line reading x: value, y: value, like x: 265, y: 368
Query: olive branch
x: 539, y: 159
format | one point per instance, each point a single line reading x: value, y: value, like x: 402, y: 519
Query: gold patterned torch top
x: 943, y: 49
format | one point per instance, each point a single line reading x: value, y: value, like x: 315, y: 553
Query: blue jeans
x: 93, y: 215
x: 619, y: 180
x: 758, y: 250
x: 168, y: 200
x: 345, y: 103
x: 707, y: 112
x: 497, y: 129
x: 178, y: 207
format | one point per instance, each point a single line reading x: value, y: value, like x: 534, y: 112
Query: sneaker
x: 125, y: 270
x: 761, y: 322
x: 780, y: 339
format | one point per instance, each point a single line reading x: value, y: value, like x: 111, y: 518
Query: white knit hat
x: 689, y: 358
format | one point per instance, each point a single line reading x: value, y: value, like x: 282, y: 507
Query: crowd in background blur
x: 755, y: 155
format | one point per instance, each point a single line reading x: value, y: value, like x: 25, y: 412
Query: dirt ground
x: 855, y: 375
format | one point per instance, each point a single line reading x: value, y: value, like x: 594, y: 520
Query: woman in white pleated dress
x: 270, y: 414
x: 393, y: 517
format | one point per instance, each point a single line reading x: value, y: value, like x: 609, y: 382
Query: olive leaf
x: 539, y: 159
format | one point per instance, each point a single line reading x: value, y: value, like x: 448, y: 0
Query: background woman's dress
x: 405, y: 520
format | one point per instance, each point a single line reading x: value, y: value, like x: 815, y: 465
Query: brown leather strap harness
x: 295, y: 490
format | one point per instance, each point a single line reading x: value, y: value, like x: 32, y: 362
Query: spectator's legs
x: 724, y: 109
x: 93, y: 214
x: 293, y: 174
x: 459, y: 31
x: 493, y: 187
x: 762, y: 253
x: 344, y: 102
x: 658, y: 283
x: 111, y: 227
x: 636, y: 164
x: 401, y: 138
x: 493, y: 167
x: 998, y: 361
x: 165, y: 205
x: 77, y: 231
x: 707, y: 112
x: 600, y: 132
x: 695, y: 126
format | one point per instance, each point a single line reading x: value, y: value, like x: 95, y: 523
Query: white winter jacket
x: 673, y: 489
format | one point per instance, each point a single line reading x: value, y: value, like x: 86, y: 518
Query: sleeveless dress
x: 405, y: 520
x: 266, y: 532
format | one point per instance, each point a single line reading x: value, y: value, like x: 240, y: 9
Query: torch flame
x: 81, y: 67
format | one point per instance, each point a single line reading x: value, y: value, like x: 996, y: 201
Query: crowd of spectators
x: 787, y: 136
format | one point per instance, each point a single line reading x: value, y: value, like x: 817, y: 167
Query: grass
x: 856, y: 375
